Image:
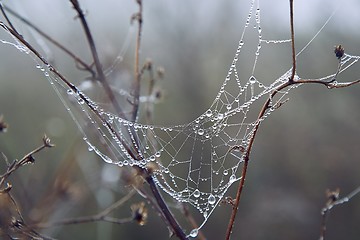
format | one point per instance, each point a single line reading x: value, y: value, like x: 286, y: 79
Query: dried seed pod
x: 140, y: 213
x: 339, y: 51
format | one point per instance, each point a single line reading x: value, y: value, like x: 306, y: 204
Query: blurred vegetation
x: 307, y: 146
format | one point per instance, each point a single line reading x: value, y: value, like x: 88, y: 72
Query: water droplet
x: 201, y: 131
x: 232, y: 178
x: 157, y: 154
x: 196, y: 193
x: 205, y: 214
x: 208, y: 113
x: 211, y: 199
x: 252, y: 80
x: 225, y: 172
x: 70, y: 92
x: 194, y: 232
x: 220, y: 116
x: 228, y: 107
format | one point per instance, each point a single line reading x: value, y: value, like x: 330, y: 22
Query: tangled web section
x: 197, y: 162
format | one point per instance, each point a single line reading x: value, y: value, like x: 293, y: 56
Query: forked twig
x: 132, y: 152
x: 96, y: 59
x: 333, y: 200
x: 2, y: 8
x: 102, y: 216
x: 266, y: 106
x: 28, y: 158
x: 50, y: 39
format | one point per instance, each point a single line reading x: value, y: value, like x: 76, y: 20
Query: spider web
x: 197, y: 162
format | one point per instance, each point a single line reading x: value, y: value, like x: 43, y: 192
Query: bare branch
x: 137, y: 73
x: 102, y: 216
x: 292, y: 40
x: 28, y: 158
x: 77, y: 59
x: 332, y: 201
x: 95, y: 56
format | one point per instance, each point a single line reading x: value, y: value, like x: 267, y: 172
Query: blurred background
x: 309, y: 145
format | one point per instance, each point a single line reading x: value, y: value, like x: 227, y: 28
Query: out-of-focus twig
x: 77, y: 59
x: 332, y: 201
x: 138, y: 17
x: 28, y: 158
x: 102, y: 216
x: 96, y: 59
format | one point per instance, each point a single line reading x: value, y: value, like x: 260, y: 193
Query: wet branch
x: 96, y: 59
x: 267, y: 105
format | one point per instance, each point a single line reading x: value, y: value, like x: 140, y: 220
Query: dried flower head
x: 3, y: 125
x: 332, y: 196
x: 140, y: 213
x: 47, y: 142
x: 339, y: 51
x: 160, y: 72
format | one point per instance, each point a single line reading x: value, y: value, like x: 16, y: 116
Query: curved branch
x: 50, y: 39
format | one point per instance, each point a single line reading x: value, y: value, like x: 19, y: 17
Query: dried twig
x: 332, y: 201
x: 131, y: 150
x: 28, y: 158
x: 138, y: 17
x: 77, y: 59
x: 292, y: 41
x: 102, y: 216
x: 266, y: 106
x: 96, y: 59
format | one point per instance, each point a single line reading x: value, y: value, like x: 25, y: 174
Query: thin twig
x: 333, y: 200
x: 50, y: 39
x: 292, y: 41
x: 102, y: 216
x: 96, y: 59
x: 2, y: 7
x: 165, y: 211
x: 28, y: 158
x: 136, y: 102
x: 329, y: 84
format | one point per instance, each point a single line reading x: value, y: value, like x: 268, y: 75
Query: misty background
x: 307, y: 146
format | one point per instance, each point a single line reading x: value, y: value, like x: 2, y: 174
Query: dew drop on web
x: 194, y: 233
x: 212, y: 199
